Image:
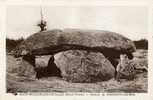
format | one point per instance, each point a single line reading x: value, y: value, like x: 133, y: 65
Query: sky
x: 130, y: 21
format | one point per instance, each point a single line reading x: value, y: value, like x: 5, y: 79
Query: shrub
x: 141, y: 44
x: 12, y: 43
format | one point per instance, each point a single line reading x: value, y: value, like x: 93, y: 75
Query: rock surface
x: 83, y: 52
x: 54, y: 41
x: 83, y: 66
x: 26, y: 67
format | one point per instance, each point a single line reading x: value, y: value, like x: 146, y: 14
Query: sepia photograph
x: 87, y: 49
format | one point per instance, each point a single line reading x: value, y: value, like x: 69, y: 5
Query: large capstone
x: 51, y: 42
x: 84, y: 66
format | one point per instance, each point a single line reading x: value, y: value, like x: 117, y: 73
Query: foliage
x: 12, y: 43
x: 141, y: 44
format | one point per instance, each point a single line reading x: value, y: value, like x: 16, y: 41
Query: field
x: 54, y: 84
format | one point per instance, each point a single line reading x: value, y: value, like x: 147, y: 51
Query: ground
x: 54, y: 84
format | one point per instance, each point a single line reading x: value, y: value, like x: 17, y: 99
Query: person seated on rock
x: 125, y: 69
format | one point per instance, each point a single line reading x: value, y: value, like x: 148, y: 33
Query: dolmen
x: 81, y: 55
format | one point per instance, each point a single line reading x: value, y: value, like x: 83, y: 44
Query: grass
x: 54, y: 84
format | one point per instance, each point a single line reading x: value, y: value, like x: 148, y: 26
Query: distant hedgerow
x: 141, y: 44
x: 12, y: 43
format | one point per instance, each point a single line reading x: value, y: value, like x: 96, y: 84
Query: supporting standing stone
x: 84, y: 66
x: 26, y: 66
x: 49, y: 71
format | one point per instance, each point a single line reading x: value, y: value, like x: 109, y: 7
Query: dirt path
x: 54, y: 84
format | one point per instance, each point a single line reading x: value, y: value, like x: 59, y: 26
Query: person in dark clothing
x: 42, y: 25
